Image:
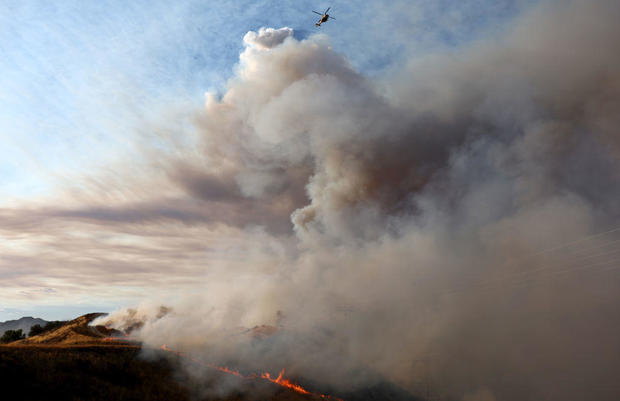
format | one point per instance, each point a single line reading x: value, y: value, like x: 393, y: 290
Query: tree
x: 49, y: 326
x: 12, y: 335
x: 36, y: 329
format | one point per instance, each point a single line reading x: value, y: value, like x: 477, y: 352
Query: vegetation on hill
x: 49, y: 326
x: 74, y: 332
x: 24, y: 323
x: 12, y: 335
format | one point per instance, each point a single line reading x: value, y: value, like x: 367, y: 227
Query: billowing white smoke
x: 443, y: 218
x: 266, y: 38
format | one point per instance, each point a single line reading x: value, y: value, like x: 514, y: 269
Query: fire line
x: 280, y: 380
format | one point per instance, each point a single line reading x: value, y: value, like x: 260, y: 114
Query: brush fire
x: 280, y: 380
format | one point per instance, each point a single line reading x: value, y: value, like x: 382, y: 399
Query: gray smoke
x: 452, y: 223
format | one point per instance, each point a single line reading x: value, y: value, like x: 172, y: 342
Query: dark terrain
x: 85, y: 373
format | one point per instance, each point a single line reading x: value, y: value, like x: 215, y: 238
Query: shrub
x: 34, y: 330
x: 49, y: 326
x: 12, y: 335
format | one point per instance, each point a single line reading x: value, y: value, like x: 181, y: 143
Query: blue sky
x: 80, y: 79
x: 78, y: 75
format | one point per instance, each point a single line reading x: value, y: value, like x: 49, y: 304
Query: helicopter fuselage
x: 324, y: 18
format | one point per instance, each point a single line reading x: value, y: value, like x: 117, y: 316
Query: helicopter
x: 324, y: 17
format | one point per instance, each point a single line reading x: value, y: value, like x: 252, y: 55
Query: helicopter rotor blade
x: 327, y: 10
x: 316, y: 12
x: 330, y: 17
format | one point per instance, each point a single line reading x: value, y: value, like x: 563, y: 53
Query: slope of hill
x: 112, y: 372
x: 75, y: 332
x: 24, y: 323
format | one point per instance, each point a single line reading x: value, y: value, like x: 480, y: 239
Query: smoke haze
x: 451, y: 225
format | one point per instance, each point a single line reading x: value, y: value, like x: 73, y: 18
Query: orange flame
x: 280, y: 380
x: 284, y: 382
x: 122, y: 339
x: 226, y: 370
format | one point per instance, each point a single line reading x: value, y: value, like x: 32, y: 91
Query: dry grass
x: 109, y: 372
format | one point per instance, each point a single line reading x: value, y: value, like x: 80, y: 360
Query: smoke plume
x: 451, y: 226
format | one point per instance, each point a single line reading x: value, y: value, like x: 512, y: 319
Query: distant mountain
x: 25, y: 323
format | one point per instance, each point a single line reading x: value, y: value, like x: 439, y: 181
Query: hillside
x: 116, y: 372
x: 75, y: 332
x: 24, y: 323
